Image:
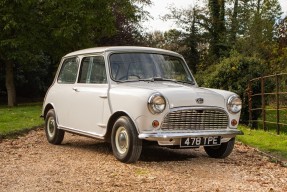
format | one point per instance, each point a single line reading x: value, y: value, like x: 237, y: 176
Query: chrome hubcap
x: 122, y: 140
x: 51, y: 126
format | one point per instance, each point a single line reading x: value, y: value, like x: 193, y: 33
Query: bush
x: 233, y: 74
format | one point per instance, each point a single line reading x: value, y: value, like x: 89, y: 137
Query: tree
x: 218, y: 29
x: 217, y: 25
x: 175, y: 40
x: 18, y: 34
x: 281, y: 32
x: 193, y: 55
x: 258, y: 37
x: 193, y: 26
x: 206, y: 29
x: 34, y: 30
x: 155, y: 39
x: 218, y: 45
x: 127, y: 17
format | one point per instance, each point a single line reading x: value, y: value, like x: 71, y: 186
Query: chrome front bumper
x: 164, y: 135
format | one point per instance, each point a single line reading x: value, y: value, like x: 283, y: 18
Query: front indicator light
x: 155, y: 124
x: 234, y: 122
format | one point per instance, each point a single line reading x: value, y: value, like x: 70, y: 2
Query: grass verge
x: 19, y: 119
x: 268, y: 142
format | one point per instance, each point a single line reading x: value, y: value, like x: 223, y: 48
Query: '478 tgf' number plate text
x: 200, y: 141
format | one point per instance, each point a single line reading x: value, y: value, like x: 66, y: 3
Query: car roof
x: 120, y: 49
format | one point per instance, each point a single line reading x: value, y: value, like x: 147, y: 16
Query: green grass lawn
x: 268, y: 142
x: 20, y: 118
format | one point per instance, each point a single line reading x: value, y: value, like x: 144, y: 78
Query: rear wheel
x: 126, y: 145
x: 220, y: 151
x: 53, y: 134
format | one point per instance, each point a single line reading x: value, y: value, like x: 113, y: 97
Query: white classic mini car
x: 125, y: 95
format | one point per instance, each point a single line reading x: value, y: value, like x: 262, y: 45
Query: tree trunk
x: 11, y: 91
x: 234, y: 24
x: 218, y: 39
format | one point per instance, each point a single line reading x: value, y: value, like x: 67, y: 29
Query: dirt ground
x: 30, y: 163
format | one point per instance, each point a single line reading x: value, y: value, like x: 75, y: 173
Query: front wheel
x: 126, y: 145
x: 220, y: 151
x: 53, y: 134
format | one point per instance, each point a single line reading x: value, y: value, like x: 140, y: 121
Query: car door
x: 90, y: 97
x: 62, y: 90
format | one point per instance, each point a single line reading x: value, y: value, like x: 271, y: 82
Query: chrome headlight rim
x: 156, y: 103
x: 234, y: 104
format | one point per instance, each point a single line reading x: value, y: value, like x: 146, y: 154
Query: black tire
x: 53, y: 134
x: 220, y: 151
x: 126, y: 145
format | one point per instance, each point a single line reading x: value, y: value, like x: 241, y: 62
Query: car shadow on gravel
x: 150, y: 153
x: 161, y: 154
x: 93, y: 146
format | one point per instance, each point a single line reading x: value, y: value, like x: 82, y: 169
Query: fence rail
x: 263, y: 87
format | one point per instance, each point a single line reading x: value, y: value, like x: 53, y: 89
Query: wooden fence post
x: 277, y: 104
x: 249, y: 94
x: 278, y: 108
x: 263, y: 103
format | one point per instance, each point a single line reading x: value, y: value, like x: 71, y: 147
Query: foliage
x: 234, y: 40
x: 281, y: 32
x: 195, y: 26
x: 219, y: 26
x: 233, y: 74
x: 29, y: 79
x: 175, y: 40
x: 127, y: 18
x: 171, y: 40
x: 35, y: 34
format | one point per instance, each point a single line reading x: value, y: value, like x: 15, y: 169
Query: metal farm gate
x: 267, y: 102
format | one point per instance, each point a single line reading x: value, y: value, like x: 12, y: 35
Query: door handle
x: 76, y: 89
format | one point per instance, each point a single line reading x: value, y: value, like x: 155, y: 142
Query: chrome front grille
x: 195, y: 119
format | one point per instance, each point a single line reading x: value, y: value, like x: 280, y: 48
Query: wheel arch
x: 47, y: 108
x: 112, y: 121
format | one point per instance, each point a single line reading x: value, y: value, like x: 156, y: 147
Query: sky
x: 160, y: 8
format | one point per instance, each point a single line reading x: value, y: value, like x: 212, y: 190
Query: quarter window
x: 69, y: 70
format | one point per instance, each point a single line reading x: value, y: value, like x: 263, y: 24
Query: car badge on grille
x: 199, y: 100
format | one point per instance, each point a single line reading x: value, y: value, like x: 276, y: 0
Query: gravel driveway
x: 30, y: 163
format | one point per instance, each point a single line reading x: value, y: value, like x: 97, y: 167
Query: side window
x: 93, y: 70
x: 84, y: 70
x: 68, y: 73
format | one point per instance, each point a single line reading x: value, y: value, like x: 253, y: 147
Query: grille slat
x: 192, y: 119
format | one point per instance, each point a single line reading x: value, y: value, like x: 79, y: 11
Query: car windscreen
x: 145, y: 66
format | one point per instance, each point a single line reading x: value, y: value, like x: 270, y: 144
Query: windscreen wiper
x: 127, y: 80
x: 164, y: 79
x: 152, y: 79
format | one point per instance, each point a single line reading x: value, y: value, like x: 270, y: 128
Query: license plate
x: 200, y: 141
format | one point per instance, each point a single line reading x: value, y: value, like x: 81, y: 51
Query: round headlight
x: 234, y: 104
x: 156, y: 103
